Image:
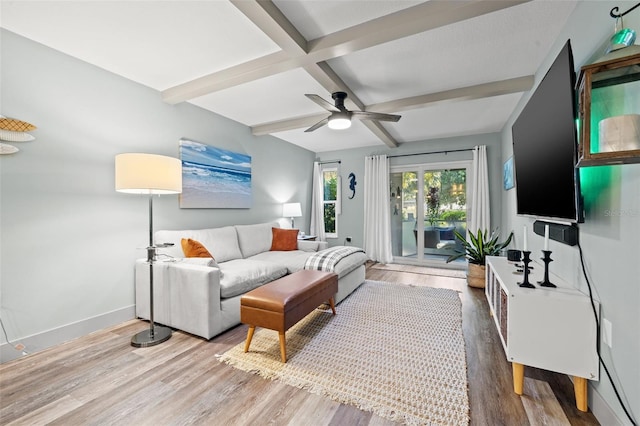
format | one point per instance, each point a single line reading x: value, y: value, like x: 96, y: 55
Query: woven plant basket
x: 476, y: 276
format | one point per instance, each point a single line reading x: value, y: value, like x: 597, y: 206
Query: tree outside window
x: 330, y: 197
x: 445, y: 196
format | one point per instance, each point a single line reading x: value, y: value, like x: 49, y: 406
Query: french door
x: 428, y: 204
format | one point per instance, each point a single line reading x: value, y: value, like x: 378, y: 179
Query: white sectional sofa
x: 193, y: 296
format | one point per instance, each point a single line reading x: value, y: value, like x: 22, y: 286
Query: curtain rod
x: 432, y: 152
x: 329, y: 162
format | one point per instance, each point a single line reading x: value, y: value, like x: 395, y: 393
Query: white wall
x: 611, y: 233
x: 68, y: 240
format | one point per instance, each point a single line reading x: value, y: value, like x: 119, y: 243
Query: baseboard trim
x: 56, y: 336
x: 602, y: 411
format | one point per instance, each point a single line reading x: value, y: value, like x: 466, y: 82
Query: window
x: 330, y: 200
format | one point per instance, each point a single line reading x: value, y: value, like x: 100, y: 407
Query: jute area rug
x: 443, y: 272
x: 392, y: 349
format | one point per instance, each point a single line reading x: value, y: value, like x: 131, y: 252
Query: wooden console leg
x: 332, y: 303
x: 580, y: 387
x: 249, y: 337
x: 283, y: 347
x: 518, y: 377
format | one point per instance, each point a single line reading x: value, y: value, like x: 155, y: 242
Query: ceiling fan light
x: 339, y: 123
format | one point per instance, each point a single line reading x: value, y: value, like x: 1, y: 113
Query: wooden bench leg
x: 283, y: 346
x: 252, y: 328
x: 580, y: 387
x: 332, y: 303
x: 518, y: 377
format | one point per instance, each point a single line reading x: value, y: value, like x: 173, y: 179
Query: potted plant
x: 476, y: 249
x: 433, y: 206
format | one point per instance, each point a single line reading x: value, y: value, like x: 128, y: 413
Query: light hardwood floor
x: 100, y: 379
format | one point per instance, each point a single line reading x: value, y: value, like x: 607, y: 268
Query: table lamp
x: 291, y: 210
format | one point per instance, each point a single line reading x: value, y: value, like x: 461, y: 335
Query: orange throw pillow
x: 284, y: 239
x: 193, y: 248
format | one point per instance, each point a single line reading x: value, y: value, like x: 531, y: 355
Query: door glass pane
x: 445, y: 211
x: 404, y: 193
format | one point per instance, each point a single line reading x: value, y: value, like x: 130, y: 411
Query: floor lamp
x: 153, y: 175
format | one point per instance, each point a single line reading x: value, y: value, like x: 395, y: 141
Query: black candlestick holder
x: 526, y: 259
x: 546, y: 259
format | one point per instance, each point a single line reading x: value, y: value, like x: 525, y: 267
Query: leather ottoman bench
x: 280, y: 304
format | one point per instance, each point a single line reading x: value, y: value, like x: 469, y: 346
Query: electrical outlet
x: 607, y: 332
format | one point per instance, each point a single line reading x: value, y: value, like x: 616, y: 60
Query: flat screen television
x: 545, y: 147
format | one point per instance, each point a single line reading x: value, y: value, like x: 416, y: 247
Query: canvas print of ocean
x: 214, y: 177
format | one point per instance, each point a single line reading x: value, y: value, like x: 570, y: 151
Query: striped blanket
x: 327, y: 259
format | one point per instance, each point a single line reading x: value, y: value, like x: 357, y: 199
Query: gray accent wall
x: 68, y: 239
x: 610, y: 235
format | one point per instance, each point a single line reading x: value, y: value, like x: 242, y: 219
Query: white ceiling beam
x: 479, y: 91
x: 266, y: 16
x: 242, y: 73
x: 414, y: 20
x: 382, y: 133
x: 406, y: 22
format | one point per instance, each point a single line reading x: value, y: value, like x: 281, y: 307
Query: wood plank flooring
x: 100, y: 379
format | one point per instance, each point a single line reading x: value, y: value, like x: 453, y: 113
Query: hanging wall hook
x: 614, y: 12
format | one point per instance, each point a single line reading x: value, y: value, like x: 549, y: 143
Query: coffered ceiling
x: 449, y: 68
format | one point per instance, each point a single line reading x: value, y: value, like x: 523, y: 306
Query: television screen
x: 545, y: 147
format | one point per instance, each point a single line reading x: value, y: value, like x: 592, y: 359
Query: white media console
x: 549, y: 328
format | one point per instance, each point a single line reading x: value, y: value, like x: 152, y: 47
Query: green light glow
x: 595, y: 183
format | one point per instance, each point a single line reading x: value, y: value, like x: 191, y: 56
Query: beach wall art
x: 214, y: 178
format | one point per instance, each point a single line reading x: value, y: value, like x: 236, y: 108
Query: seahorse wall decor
x: 352, y: 184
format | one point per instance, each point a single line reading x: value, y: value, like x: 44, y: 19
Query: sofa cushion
x: 446, y: 233
x: 254, y: 239
x: 242, y: 275
x: 203, y: 261
x: 284, y: 239
x: 312, y: 245
x: 293, y: 260
x: 222, y: 243
x: 349, y: 263
x: 193, y: 248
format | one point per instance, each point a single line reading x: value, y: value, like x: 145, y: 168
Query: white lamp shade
x: 291, y: 210
x: 148, y: 174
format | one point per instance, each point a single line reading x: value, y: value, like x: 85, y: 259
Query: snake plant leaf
x: 479, y: 245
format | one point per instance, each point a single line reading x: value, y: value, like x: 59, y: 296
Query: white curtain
x: 377, y: 223
x: 480, y: 200
x: 317, y: 204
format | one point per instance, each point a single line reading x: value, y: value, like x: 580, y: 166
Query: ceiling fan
x: 340, y: 117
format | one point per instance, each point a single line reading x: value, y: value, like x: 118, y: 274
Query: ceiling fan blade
x: 366, y: 115
x: 324, y: 104
x: 318, y: 125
